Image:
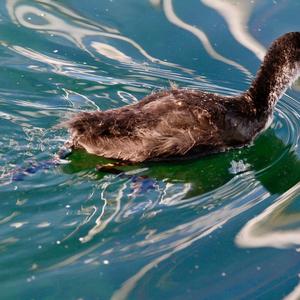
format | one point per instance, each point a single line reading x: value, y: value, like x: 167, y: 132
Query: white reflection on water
x: 236, y: 197
x: 264, y: 230
x: 173, y: 18
x: 9, y: 218
x: 237, y: 16
x: 66, y: 68
x: 268, y: 229
x: 100, y: 224
x: 70, y: 26
x: 16, y: 9
x: 92, y: 38
x: 7, y: 242
x: 56, y: 63
x: 294, y: 295
x: 76, y: 100
x: 111, y: 52
x: 184, y: 235
x: 155, y: 3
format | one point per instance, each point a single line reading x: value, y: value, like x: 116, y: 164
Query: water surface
x: 221, y: 227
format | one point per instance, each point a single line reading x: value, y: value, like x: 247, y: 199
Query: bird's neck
x: 278, y: 70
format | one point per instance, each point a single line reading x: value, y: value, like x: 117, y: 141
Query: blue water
x: 221, y: 227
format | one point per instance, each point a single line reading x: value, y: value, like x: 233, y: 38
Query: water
x: 221, y: 227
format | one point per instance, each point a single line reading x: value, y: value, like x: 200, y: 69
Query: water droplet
x: 31, y: 278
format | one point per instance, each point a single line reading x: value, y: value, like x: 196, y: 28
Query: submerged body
x: 179, y: 122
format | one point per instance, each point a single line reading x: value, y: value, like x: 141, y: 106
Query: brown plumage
x: 180, y: 122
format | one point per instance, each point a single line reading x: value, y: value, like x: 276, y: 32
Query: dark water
x: 222, y: 227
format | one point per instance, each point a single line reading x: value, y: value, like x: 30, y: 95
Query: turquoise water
x: 222, y: 227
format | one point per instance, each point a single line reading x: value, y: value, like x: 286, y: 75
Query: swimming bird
x: 178, y: 123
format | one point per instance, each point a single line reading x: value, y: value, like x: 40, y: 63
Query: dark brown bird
x: 179, y: 122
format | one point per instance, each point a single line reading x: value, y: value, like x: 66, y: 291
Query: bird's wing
x: 178, y: 128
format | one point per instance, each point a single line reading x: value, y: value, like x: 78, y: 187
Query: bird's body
x: 167, y: 124
x: 180, y: 122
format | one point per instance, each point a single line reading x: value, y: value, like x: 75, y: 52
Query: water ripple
x: 76, y: 220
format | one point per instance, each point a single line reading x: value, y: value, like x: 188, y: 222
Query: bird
x: 178, y: 122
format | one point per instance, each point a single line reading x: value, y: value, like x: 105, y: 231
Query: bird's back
x: 165, y: 124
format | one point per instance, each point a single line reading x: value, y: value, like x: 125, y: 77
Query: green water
x: 221, y: 227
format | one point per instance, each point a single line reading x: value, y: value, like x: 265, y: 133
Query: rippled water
x: 222, y: 227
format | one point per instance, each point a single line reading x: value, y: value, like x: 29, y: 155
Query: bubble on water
x: 31, y: 278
